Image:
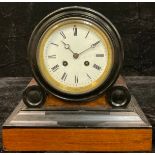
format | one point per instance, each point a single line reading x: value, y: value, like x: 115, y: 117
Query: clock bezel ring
x: 88, y: 14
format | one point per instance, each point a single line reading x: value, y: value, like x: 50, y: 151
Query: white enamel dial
x: 75, y: 56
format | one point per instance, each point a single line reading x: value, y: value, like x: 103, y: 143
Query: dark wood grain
x: 134, y: 21
x: 142, y: 87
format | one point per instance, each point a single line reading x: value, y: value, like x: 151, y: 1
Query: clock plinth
x: 94, y: 126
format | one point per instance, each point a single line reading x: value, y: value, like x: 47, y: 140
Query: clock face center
x: 75, y: 55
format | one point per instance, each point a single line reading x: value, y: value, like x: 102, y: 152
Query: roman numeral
x: 96, y: 67
x: 76, y: 79
x: 64, y: 76
x: 87, y: 34
x: 55, y: 68
x: 99, y: 55
x: 52, y: 56
x: 54, y: 44
x: 75, y: 30
x: 63, y: 35
x: 88, y: 76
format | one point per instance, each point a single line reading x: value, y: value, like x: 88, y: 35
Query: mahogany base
x: 77, y: 140
x: 90, y: 127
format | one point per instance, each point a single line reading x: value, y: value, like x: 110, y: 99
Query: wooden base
x: 81, y: 140
x: 32, y: 134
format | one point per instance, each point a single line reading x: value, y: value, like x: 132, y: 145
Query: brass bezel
x: 59, y: 86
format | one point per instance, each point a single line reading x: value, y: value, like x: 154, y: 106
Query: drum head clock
x: 75, y: 53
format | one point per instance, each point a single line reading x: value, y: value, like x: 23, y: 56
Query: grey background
x: 134, y: 21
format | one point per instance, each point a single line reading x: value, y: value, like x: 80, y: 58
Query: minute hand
x: 92, y: 46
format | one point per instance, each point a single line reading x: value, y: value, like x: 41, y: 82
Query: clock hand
x: 92, y: 46
x: 67, y: 46
x: 95, y: 44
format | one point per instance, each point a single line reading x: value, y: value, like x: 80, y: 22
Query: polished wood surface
x: 57, y: 103
x: 81, y: 140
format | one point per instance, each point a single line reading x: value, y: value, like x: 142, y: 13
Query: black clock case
x: 87, y: 14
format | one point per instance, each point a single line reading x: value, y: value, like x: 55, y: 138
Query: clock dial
x: 75, y: 56
x: 75, y: 53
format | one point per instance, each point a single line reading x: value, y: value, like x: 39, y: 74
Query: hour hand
x: 67, y: 46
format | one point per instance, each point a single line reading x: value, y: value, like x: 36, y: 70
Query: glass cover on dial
x: 75, y: 56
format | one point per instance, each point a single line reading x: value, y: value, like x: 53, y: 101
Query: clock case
x: 62, y: 126
x: 88, y: 15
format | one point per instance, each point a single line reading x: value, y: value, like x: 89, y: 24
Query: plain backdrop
x: 134, y: 21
